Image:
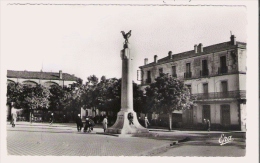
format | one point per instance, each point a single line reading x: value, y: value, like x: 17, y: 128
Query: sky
x: 86, y: 40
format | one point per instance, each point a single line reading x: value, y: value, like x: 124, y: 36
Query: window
x: 187, y: 74
x: 174, y: 71
x: 160, y: 71
x: 206, y: 112
x: 205, y: 88
x: 223, y: 65
x: 205, y: 71
x: 224, y: 89
x: 148, y: 79
x: 189, y: 87
x: 224, y: 86
x: 187, y: 67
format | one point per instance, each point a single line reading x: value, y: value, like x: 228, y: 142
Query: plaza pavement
x: 42, y: 139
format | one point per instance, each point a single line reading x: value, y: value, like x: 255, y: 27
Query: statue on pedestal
x: 126, y: 36
x: 127, y: 122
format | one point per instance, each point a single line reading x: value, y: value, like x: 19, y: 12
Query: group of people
x: 206, y: 124
x: 89, y: 124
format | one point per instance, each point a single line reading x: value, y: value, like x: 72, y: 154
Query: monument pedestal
x: 123, y: 126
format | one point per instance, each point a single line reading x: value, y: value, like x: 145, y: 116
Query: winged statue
x: 126, y: 35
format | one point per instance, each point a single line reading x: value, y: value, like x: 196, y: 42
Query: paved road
x: 66, y: 141
x: 58, y: 139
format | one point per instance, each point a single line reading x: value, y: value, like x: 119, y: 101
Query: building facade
x: 44, y: 78
x: 216, y: 74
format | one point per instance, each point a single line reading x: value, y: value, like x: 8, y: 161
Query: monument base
x: 124, y: 126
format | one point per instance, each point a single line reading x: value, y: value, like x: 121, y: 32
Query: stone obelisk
x: 126, y: 122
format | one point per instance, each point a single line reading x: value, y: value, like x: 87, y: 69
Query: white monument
x: 127, y: 122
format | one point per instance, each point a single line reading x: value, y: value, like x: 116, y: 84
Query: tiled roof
x: 206, y: 50
x: 40, y: 75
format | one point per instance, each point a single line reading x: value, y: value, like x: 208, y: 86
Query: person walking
x: 105, y: 124
x: 205, y: 124
x: 87, y: 125
x: 146, y: 122
x: 51, y: 119
x: 208, y: 125
x: 79, y: 123
x: 92, y: 124
x: 14, y: 115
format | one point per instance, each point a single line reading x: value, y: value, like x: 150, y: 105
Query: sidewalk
x: 100, y: 125
x: 180, y: 134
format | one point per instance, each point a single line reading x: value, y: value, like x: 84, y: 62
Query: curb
x: 163, y: 148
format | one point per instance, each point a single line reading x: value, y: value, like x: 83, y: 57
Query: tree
x: 14, y: 94
x: 57, y: 98
x: 35, y: 97
x: 109, y: 94
x: 167, y: 94
x: 89, y: 95
x: 106, y: 94
x: 72, y: 99
x: 139, y: 99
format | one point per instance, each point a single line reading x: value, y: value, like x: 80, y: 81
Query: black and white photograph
x: 150, y: 79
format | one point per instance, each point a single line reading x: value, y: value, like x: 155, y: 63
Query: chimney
x: 145, y: 61
x: 155, y: 58
x: 233, y: 40
x: 200, y: 47
x: 170, y: 54
x: 60, y: 72
x: 196, y: 48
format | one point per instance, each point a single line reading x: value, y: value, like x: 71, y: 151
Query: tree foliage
x: 167, y: 94
x: 14, y: 91
x: 35, y: 97
x: 28, y: 97
x: 106, y: 94
x: 58, y: 97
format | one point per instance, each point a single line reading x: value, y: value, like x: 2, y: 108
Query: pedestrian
x: 92, y: 124
x: 87, y: 125
x: 146, y: 122
x: 14, y: 115
x: 105, y: 124
x: 205, y: 124
x: 51, y: 119
x: 208, y: 125
x: 79, y: 123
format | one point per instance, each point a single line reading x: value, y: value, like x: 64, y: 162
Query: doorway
x: 225, y: 115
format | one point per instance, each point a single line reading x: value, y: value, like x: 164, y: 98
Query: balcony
x: 148, y: 81
x: 204, y: 72
x: 187, y: 75
x: 221, y: 95
x: 222, y: 70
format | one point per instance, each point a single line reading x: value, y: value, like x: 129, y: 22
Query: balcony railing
x: 221, y: 95
x: 204, y: 72
x: 187, y: 75
x: 222, y: 70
